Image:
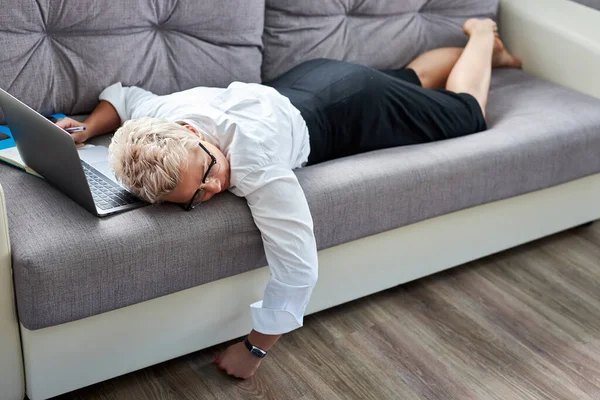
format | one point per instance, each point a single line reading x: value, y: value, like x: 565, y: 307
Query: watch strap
x: 255, y: 351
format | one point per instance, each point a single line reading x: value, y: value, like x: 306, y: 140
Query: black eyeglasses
x: 199, y: 195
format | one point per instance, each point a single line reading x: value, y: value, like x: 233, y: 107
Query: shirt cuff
x: 282, y: 308
x: 114, y: 94
x: 273, y: 322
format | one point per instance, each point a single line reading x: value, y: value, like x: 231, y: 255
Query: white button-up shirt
x: 264, y: 137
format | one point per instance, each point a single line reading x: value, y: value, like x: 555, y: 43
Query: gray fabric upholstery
x: 590, y: 3
x: 382, y: 34
x: 57, y: 56
x: 70, y: 265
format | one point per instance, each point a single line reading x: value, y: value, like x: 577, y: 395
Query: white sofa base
x: 62, y: 358
x: 12, y: 385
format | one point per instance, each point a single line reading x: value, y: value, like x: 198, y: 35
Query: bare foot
x: 480, y: 25
x: 501, y: 58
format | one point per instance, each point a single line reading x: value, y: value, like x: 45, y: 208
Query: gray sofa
x: 97, y: 298
x: 595, y: 4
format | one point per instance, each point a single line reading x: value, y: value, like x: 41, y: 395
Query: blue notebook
x: 6, y: 140
x: 8, y: 147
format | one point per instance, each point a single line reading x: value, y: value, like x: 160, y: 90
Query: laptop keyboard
x: 105, y: 192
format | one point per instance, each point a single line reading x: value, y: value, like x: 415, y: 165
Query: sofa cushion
x: 69, y: 264
x: 58, y: 55
x: 382, y: 34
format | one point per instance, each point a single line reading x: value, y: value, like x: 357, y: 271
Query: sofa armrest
x: 558, y: 40
x: 12, y: 382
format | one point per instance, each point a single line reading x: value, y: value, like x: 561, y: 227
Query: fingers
x: 218, y: 358
x: 229, y: 370
x: 66, y: 123
x: 79, y: 137
x: 219, y: 362
x: 236, y: 361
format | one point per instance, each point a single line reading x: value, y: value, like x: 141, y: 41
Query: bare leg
x: 473, y: 70
x: 434, y: 67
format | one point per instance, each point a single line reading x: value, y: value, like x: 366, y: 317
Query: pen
x: 75, y: 129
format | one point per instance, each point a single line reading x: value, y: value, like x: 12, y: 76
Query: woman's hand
x: 78, y: 137
x: 237, y: 361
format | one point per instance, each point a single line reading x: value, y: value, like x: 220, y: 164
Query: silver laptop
x: 84, y: 176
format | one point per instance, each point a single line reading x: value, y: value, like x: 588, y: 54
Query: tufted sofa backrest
x: 378, y: 33
x: 57, y: 55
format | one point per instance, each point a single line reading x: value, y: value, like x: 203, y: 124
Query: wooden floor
x: 524, y: 324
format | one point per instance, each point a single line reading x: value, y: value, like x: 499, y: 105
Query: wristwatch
x: 255, y: 351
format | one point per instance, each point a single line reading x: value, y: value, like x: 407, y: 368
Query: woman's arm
x: 281, y: 213
x: 117, y: 105
x: 104, y: 119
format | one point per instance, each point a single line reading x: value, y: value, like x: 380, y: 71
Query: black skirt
x: 351, y: 109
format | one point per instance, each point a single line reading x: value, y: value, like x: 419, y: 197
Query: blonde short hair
x: 148, y: 155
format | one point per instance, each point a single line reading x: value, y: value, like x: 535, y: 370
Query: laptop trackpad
x: 97, y: 157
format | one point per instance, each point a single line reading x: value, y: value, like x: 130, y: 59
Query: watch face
x: 257, y: 352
